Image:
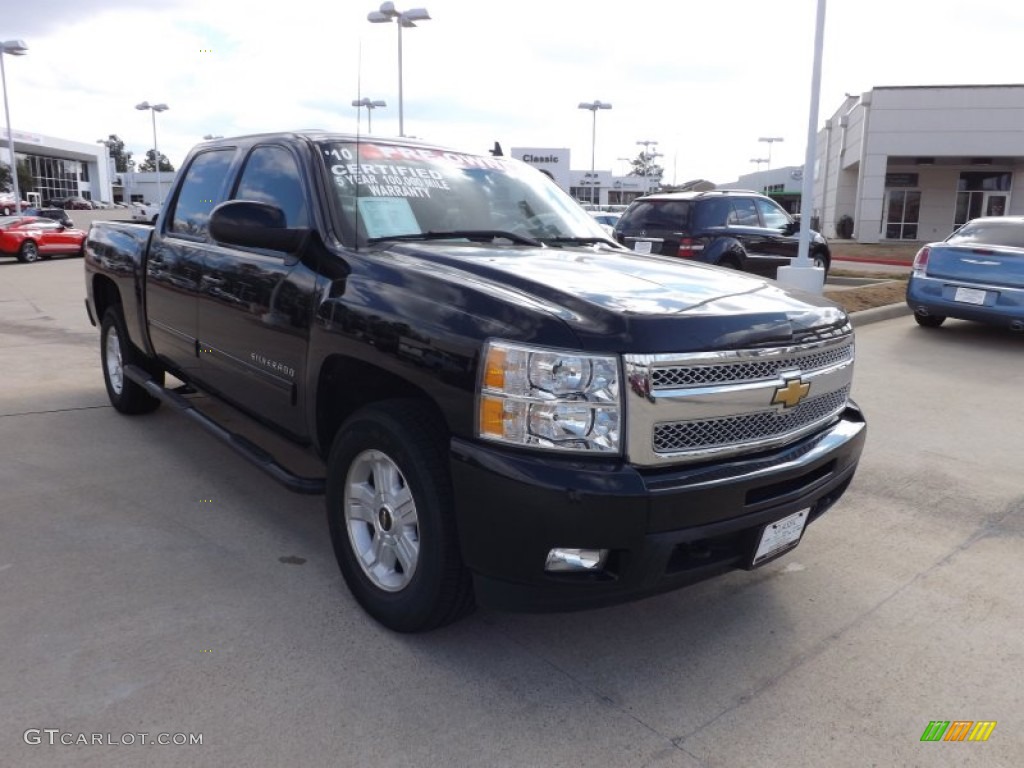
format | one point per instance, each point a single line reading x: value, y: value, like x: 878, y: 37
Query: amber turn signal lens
x: 494, y: 368
x: 492, y: 412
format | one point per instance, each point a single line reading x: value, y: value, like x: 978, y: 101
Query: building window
x: 902, y: 210
x: 981, y: 193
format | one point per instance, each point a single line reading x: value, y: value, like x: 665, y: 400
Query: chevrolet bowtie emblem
x: 791, y: 393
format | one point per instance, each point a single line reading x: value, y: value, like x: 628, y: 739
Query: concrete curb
x: 877, y: 314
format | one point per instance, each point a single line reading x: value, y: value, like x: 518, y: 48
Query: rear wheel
x: 730, y: 262
x: 929, y: 321
x: 117, y: 351
x: 28, y: 252
x: 390, y: 513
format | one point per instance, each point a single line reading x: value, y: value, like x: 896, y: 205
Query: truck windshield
x: 392, y: 191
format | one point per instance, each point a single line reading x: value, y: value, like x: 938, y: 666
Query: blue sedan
x: 977, y: 273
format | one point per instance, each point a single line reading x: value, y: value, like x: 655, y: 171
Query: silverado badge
x: 791, y: 393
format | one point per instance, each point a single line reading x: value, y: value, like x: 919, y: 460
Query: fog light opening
x: 562, y: 559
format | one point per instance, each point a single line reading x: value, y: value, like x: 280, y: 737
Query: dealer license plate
x: 781, y: 535
x: 642, y: 246
x: 969, y: 296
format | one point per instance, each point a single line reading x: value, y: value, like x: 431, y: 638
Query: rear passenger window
x: 743, y: 214
x: 271, y: 175
x: 201, y: 190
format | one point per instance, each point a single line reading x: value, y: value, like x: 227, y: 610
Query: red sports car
x: 32, y: 237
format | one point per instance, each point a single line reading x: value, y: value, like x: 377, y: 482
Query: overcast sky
x: 704, y: 79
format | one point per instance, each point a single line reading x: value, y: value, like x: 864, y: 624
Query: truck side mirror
x: 252, y: 224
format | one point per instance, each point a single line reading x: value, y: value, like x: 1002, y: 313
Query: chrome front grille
x: 694, y: 406
x: 751, y: 427
x: 701, y: 375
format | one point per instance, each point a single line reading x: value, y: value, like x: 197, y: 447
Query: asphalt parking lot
x: 152, y: 582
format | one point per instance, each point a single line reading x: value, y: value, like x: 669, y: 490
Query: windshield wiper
x: 580, y: 240
x: 476, y: 235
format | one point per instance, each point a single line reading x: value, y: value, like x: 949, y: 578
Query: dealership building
x: 914, y: 163
x: 597, y: 187
x: 60, y: 168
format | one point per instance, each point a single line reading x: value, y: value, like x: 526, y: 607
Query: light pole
x: 211, y: 137
x: 408, y: 18
x: 156, y: 151
x: 370, y: 104
x: 593, y: 106
x: 769, y: 140
x: 14, y: 48
x: 759, y: 160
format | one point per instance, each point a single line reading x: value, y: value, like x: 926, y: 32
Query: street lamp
x: 593, y: 106
x: 14, y: 48
x: 370, y: 106
x: 759, y: 160
x: 211, y: 137
x: 408, y: 18
x: 156, y: 151
x: 769, y: 140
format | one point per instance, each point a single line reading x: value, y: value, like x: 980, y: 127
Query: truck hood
x: 619, y: 301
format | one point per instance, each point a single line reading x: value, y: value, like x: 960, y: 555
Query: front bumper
x: 665, y: 528
x: 934, y: 296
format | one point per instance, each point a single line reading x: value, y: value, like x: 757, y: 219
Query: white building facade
x: 900, y: 164
x: 60, y: 168
x: 598, y: 187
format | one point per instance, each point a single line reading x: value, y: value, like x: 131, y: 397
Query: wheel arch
x: 346, y: 384
x: 104, y: 295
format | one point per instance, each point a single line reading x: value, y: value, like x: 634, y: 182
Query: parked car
x: 57, y: 214
x: 145, y: 212
x: 75, y: 204
x: 31, y: 237
x: 728, y: 228
x: 8, y: 205
x: 977, y: 273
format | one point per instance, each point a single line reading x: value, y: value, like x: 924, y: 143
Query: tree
x: 26, y: 182
x: 645, y: 166
x: 149, y: 164
x: 117, y: 151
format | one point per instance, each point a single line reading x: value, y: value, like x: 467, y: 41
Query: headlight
x: 549, y: 398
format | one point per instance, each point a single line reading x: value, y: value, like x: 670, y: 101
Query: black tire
x: 929, y: 321
x: 28, y: 252
x: 819, y: 259
x: 405, y: 435
x: 125, y: 395
x: 730, y: 262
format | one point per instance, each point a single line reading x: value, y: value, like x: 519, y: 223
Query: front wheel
x: 28, y: 252
x: 820, y: 260
x: 116, y: 351
x: 390, y: 510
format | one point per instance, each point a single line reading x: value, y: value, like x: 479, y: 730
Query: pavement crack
x: 53, y: 410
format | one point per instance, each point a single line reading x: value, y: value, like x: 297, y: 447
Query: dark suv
x: 728, y: 228
x: 57, y: 214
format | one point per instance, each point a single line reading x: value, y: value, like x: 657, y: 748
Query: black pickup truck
x: 511, y: 408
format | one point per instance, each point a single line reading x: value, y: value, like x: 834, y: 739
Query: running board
x: 241, y: 445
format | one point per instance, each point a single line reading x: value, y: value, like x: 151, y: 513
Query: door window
x: 772, y: 215
x: 271, y: 175
x: 201, y: 190
x: 743, y: 214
